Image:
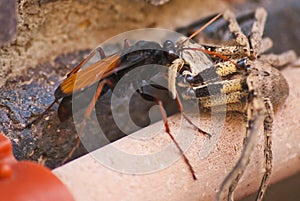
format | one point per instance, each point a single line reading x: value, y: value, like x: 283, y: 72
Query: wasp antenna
x: 202, y: 28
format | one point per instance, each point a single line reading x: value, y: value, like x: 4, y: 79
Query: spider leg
x: 235, y: 29
x: 268, y: 156
x: 266, y: 44
x: 233, y: 51
x: 280, y: 60
x: 255, y: 115
x: 257, y: 31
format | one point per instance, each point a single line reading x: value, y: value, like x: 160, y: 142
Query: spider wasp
x: 238, y: 76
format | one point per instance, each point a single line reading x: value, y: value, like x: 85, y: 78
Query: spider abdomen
x: 271, y: 83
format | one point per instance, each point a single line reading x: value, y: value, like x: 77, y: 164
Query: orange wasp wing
x: 82, y: 63
x: 80, y: 79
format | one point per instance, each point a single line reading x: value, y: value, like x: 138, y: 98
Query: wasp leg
x: 86, y: 116
x: 39, y: 117
x: 155, y: 99
x: 255, y: 115
x: 180, y: 107
x: 257, y: 31
x: 235, y: 29
x: 172, y: 73
x: 206, y: 134
x: 167, y: 129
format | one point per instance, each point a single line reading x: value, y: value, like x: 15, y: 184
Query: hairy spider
x: 248, y: 83
x: 255, y: 87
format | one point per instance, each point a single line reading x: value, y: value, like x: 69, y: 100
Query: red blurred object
x: 24, y: 180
